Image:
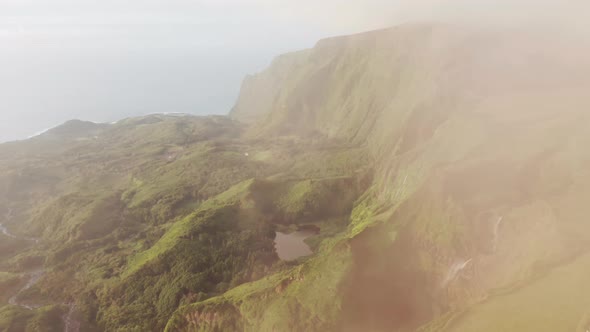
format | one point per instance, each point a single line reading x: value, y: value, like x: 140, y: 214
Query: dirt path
x: 7, y: 217
x: 70, y: 323
x: 34, y: 278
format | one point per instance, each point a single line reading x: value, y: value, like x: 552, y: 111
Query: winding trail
x: 7, y: 217
x: 34, y: 278
x: 70, y: 323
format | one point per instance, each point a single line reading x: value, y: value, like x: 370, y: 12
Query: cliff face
x: 259, y: 91
x: 371, y: 87
x: 477, y: 140
x: 445, y: 168
x: 433, y: 100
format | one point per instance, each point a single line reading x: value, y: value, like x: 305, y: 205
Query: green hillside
x: 442, y: 170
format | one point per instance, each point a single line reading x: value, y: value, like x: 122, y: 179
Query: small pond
x: 292, y: 246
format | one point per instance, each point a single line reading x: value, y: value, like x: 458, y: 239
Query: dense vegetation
x: 131, y: 228
x: 448, y: 182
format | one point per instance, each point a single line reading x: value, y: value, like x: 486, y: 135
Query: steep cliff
x: 442, y: 171
x: 477, y: 140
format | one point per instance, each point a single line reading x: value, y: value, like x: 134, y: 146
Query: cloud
x: 52, y: 46
x: 332, y: 15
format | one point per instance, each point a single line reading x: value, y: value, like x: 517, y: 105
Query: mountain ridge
x: 441, y: 165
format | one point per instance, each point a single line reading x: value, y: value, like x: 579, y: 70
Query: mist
x: 407, y: 165
x: 103, y: 61
x: 104, y: 73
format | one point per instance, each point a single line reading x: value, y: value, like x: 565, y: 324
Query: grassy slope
x: 384, y: 132
x: 127, y: 233
x: 46, y: 319
x: 453, y: 154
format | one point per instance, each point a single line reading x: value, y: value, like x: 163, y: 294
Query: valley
x: 426, y: 177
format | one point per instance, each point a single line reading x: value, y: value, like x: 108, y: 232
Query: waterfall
x: 454, y: 271
x: 496, y: 232
x: 34, y: 278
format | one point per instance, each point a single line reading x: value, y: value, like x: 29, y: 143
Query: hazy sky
x: 102, y: 60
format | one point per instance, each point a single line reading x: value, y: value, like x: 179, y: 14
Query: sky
x: 103, y: 60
